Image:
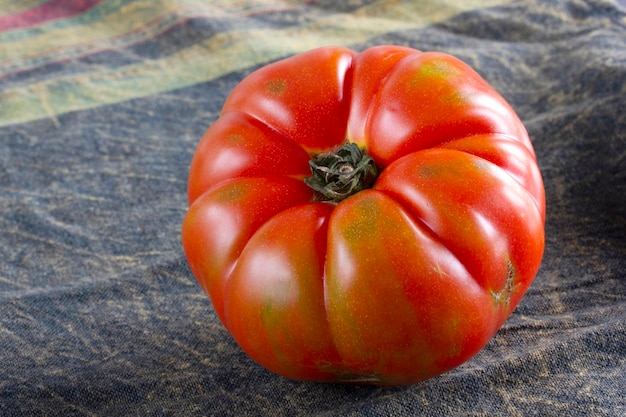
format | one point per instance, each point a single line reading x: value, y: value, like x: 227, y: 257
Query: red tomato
x: 364, y: 217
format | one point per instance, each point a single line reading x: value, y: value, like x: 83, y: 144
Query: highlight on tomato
x: 368, y: 217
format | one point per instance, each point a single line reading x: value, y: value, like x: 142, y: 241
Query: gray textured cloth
x: 100, y: 315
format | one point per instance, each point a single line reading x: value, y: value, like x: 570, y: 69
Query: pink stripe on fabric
x: 51, y: 10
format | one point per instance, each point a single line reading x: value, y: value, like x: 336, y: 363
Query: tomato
x: 366, y: 217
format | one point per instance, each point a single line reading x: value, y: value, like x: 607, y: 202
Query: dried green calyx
x: 341, y: 173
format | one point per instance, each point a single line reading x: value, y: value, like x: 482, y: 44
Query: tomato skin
x: 394, y: 284
x: 431, y: 98
x: 305, y: 97
x: 484, y: 234
x: 276, y: 296
x: 237, y: 145
x: 219, y: 224
x: 394, y: 311
x: 371, y: 67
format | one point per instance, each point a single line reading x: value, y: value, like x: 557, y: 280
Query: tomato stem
x: 342, y: 172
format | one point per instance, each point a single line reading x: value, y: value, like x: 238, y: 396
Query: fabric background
x: 102, y: 103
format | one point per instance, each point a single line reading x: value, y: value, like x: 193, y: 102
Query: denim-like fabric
x: 101, y: 316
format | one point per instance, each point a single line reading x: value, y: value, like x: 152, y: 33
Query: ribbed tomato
x: 366, y: 217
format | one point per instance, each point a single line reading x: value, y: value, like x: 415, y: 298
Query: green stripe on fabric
x: 221, y: 54
x: 17, y: 6
x: 116, y: 17
x: 105, y: 21
x: 112, y: 24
